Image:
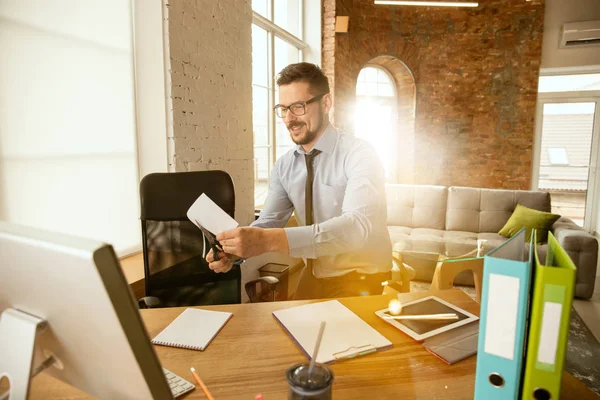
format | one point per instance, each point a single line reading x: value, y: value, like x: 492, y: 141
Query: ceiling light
x: 426, y: 3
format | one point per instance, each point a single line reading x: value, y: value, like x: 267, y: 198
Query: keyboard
x: 178, y: 385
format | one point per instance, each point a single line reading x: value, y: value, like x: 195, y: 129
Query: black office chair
x: 176, y: 273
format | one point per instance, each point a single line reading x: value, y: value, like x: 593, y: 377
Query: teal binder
x: 503, y: 321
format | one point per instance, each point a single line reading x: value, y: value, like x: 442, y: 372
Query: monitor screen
x: 94, y: 330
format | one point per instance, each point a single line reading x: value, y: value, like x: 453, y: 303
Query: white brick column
x: 209, y: 89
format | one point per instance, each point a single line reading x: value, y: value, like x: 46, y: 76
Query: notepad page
x: 344, y: 330
x: 192, y: 329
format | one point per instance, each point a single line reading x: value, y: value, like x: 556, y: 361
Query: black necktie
x: 308, y: 196
x: 310, y: 176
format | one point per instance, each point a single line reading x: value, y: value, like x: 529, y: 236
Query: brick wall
x: 476, y: 73
x: 210, y: 92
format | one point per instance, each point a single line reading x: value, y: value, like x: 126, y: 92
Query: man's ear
x: 327, y: 102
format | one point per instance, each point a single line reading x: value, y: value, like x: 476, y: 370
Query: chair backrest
x: 174, y: 265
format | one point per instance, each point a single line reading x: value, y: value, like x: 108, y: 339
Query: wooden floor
x: 589, y: 310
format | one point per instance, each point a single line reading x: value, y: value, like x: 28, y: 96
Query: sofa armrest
x: 582, y: 247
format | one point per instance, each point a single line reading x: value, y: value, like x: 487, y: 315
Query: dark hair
x: 304, y: 72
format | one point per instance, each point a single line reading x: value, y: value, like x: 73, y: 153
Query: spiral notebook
x: 193, y: 329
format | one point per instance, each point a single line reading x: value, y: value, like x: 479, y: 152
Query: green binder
x: 553, y: 288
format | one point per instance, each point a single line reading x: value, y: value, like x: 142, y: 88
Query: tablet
x: 423, y: 329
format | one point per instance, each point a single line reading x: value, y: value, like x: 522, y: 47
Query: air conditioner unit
x: 579, y: 34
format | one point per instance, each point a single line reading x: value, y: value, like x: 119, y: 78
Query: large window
x: 67, y: 133
x: 375, y: 115
x: 276, y: 42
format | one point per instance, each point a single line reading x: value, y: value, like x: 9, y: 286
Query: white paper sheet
x: 205, y: 212
x: 549, y: 333
x: 502, y: 309
x: 346, y: 335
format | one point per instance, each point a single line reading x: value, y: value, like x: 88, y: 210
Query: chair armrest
x: 582, y: 247
x: 149, y: 302
x: 250, y: 287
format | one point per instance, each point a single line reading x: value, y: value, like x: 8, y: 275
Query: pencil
x: 202, y: 385
x: 424, y: 317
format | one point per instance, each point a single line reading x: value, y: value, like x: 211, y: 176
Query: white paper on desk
x: 346, y: 335
x: 205, y: 212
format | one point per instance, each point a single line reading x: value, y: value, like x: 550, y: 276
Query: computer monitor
x: 94, y: 329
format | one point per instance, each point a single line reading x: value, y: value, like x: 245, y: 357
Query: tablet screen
x: 428, y: 306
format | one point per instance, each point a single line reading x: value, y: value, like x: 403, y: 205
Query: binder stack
x: 524, y: 322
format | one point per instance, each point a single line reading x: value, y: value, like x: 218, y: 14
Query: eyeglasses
x: 298, y: 108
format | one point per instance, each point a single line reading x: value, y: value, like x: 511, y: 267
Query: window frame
x: 275, y: 31
x: 389, y: 75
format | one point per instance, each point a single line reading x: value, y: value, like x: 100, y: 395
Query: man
x: 335, y: 182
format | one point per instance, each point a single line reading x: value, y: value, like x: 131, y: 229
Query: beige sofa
x: 453, y: 218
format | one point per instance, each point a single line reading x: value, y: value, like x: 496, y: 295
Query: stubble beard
x: 309, y: 135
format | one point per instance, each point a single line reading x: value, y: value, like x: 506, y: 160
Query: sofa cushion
x: 415, y: 206
x: 487, y: 210
x: 525, y: 217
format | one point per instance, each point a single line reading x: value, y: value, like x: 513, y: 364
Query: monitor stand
x: 18, y: 332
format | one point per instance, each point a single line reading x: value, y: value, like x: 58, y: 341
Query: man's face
x: 306, y: 128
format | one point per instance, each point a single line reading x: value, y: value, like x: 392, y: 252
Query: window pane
x: 371, y: 88
x: 362, y: 76
x: 260, y: 6
x: 567, y: 130
x: 371, y: 74
x: 260, y: 70
x: 361, y: 89
x: 287, y: 15
x: 382, y: 76
x: 261, y: 163
x: 385, y: 89
x: 374, y: 121
x: 568, y: 83
x: 375, y: 115
x: 285, y: 54
x: 260, y: 115
x: 283, y: 140
x: 558, y: 156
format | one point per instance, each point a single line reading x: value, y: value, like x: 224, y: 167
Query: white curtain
x: 67, y: 119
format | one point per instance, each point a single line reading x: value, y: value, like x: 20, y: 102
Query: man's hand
x: 250, y: 241
x: 223, y: 265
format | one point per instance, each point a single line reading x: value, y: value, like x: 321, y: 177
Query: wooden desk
x: 252, y: 352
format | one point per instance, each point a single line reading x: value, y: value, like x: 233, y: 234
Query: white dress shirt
x: 349, y: 206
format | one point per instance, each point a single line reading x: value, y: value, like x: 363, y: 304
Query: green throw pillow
x: 524, y: 217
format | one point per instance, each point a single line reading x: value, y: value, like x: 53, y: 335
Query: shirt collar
x: 326, y: 142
